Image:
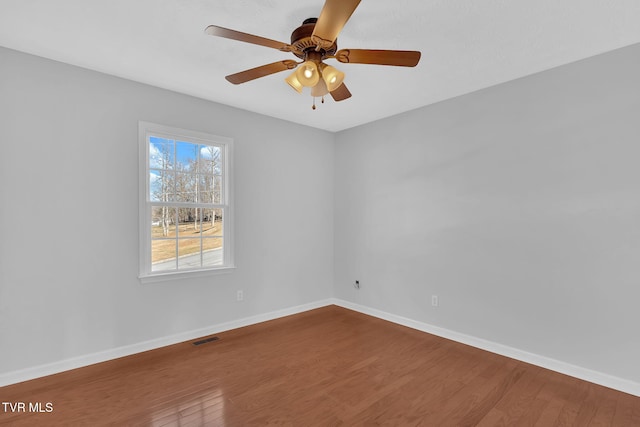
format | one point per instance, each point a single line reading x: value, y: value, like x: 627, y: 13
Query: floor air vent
x: 205, y: 340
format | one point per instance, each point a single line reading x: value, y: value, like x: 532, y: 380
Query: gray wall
x: 69, y: 214
x: 518, y: 205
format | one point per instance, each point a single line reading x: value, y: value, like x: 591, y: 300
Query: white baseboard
x: 595, y: 377
x: 103, y: 356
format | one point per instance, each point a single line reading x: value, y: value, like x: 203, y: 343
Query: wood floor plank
x: 557, y: 392
x: 520, y: 405
x: 605, y: 405
x: 627, y: 411
x: 325, y: 367
x: 417, y: 403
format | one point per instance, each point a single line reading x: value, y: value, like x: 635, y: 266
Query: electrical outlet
x: 239, y: 296
x: 434, y: 300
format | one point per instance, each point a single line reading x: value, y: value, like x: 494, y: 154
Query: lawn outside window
x: 185, y: 203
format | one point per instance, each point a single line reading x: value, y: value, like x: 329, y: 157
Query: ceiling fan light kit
x: 332, y: 77
x: 308, y: 74
x: 313, y: 42
x: 319, y: 90
x: 294, y: 82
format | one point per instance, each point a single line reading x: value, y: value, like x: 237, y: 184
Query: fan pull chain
x: 313, y: 107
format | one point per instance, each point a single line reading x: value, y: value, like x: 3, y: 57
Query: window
x: 185, y: 202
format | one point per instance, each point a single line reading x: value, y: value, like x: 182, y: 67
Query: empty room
x: 319, y: 213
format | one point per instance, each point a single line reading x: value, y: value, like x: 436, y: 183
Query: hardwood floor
x: 325, y: 367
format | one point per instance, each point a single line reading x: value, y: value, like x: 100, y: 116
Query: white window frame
x: 147, y: 129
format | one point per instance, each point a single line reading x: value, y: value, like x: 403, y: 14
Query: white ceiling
x: 466, y: 45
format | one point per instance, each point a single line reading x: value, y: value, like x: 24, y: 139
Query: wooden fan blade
x: 402, y: 58
x: 264, y: 70
x: 214, y: 30
x: 341, y: 93
x: 333, y: 17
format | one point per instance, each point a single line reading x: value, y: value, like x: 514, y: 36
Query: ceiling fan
x: 313, y: 42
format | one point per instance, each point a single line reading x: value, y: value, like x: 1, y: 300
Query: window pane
x: 212, y: 254
x: 211, y: 222
x: 163, y: 222
x: 189, y: 222
x: 155, y: 186
x: 161, y: 153
x: 210, y: 160
x: 187, y: 155
x: 205, y: 196
x: 186, y: 186
x: 210, y: 189
x: 161, y: 185
x: 218, y: 196
x: 189, y: 253
x: 163, y: 255
x: 205, y: 188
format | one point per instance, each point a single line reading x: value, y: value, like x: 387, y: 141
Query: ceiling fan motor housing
x: 303, y: 45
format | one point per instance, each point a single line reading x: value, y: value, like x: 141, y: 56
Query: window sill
x: 178, y: 275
